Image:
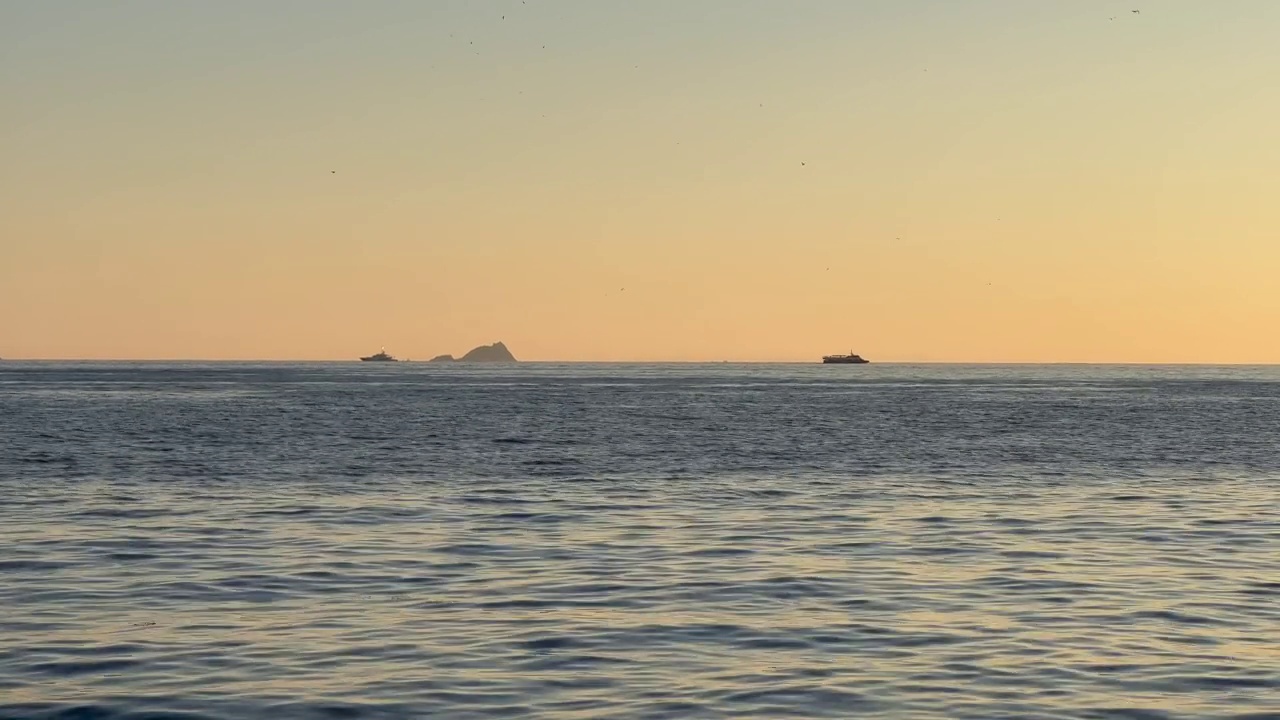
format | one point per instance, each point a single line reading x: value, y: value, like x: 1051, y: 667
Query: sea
x: 408, y: 540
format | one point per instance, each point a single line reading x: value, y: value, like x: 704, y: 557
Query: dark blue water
x: 716, y: 541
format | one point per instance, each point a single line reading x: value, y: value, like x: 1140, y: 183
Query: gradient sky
x: 918, y: 180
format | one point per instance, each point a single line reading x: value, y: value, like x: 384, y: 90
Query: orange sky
x: 912, y: 180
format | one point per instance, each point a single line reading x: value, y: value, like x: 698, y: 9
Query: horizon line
x: 640, y: 362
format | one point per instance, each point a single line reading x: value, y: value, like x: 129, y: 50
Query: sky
x: 611, y: 180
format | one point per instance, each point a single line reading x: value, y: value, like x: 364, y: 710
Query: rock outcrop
x: 496, y: 352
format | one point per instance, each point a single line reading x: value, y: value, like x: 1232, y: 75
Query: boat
x: 382, y: 356
x: 849, y: 359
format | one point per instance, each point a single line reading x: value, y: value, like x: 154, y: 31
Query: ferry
x: 849, y: 359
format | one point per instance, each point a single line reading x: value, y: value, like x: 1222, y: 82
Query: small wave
x: 68, y: 668
x: 25, y: 566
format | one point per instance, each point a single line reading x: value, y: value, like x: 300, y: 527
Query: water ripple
x: 638, y: 542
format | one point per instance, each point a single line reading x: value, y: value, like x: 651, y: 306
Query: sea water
x: 353, y: 540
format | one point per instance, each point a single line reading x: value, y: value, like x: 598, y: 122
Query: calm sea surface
x: 638, y: 541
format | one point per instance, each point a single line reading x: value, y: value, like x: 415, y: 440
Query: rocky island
x: 496, y: 352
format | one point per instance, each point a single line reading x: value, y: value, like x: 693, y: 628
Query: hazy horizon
x: 560, y: 361
x: 914, y: 180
